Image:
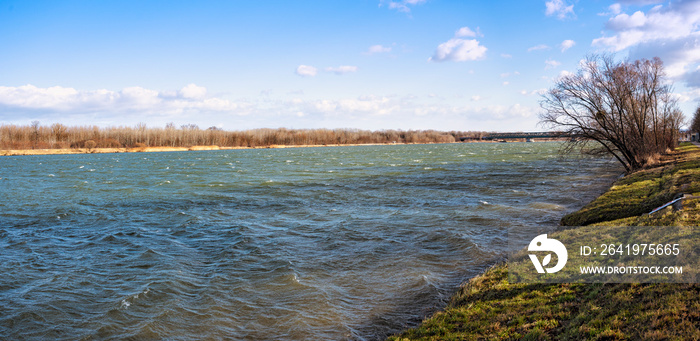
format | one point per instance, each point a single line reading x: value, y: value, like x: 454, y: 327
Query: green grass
x: 488, y: 307
x: 641, y: 192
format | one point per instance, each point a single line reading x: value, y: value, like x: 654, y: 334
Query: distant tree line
x: 37, y: 136
x: 695, y: 122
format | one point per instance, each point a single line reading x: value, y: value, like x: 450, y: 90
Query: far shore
x: 14, y: 152
x: 58, y: 151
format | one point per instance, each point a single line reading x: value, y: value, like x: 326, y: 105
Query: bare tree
x: 59, y: 131
x: 626, y: 107
x: 35, y: 133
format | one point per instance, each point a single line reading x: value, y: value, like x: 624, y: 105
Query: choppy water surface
x: 303, y: 243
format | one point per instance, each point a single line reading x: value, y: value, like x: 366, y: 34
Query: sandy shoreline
x: 15, y: 152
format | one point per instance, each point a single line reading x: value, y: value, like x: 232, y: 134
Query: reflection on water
x: 303, y: 243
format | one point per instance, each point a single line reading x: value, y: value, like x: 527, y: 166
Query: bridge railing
x: 520, y: 135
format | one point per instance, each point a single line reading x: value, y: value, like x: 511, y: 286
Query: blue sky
x: 368, y: 64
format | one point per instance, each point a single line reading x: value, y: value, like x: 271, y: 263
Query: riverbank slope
x: 489, y: 307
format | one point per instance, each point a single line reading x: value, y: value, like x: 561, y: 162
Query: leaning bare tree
x: 626, y: 107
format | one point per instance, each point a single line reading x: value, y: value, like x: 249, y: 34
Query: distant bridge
x: 520, y: 135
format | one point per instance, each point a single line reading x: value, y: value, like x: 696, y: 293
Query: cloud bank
x: 670, y: 31
x: 132, y: 99
x: 137, y: 104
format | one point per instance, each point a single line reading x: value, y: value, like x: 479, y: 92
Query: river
x: 334, y: 243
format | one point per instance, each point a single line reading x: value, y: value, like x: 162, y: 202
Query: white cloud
x: 508, y: 74
x: 60, y: 98
x: 551, y: 64
x: 467, y: 32
x: 459, y: 50
x: 401, y: 6
x: 306, y: 71
x: 538, y: 47
x: 681, y: 56
x: 624, y: 21
x: 539, y: 92
x: 641, y: 2
x: 193, y: 91
x: 567, y: 44
x: 378, y: 49
x: 343, y: 69
x: 559, y: 8
x: 139, y: 98
x: 689, y: 96
x: 129, y: 100
x: 477, y: 98
x: 507, y: 56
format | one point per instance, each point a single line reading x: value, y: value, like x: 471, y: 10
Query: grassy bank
x: 489, y: 307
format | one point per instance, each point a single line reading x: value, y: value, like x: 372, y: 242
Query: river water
x: 335, y: 243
